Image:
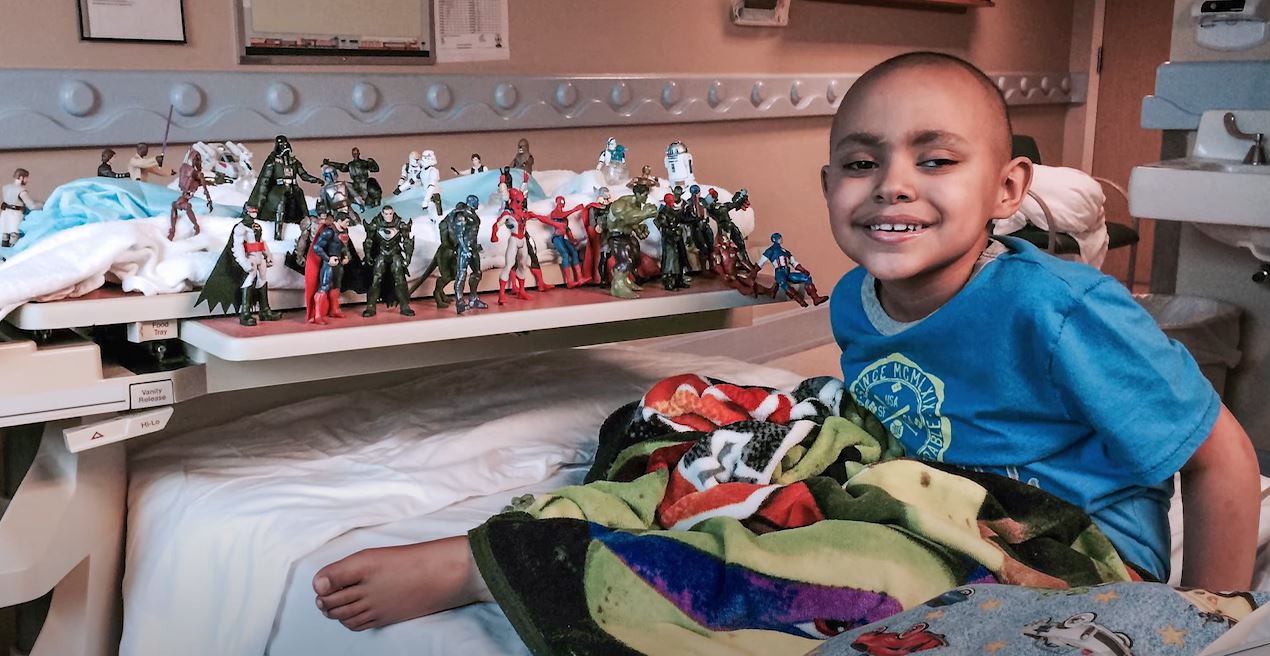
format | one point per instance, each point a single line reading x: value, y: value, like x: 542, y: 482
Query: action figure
x: 189, y: 182
x: 504, y: 185
x: 612, y: 162
x: 596, y: 224
x: 359, y: 171
x: 277, y: 193
x: 645, y: 179
x: 141, y: 166
x: 562, y: 241
x: 430, y: 179
x: 239, y: 280
x: 411, y: 174
x: 458, y: 258
x: 17, y: 202
x: 674, y: 253
x: 727, y: 264
x: 524, y: 160
x: 697, y: 220
x: 337, y: 197
x: 625, y: 229
x: 721, y: 212
x: 298, y: 258
x: 104, y: 170
x: 477, y: 166
x: 324, y: 270
x: 226, y: 163
x: 679, y: 165
x: 789, y: 272
x: 521, y: 251
x: 389, y: 247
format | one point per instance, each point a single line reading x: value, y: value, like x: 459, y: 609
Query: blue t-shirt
x: 1048, y: 372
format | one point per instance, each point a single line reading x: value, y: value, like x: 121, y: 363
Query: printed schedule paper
x: 471, y: 30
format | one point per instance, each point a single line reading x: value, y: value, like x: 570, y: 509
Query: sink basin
x: 1201, y: 190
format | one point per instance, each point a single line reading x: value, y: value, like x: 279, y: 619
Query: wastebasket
x: 1209, y: 329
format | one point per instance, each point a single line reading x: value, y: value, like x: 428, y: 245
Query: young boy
x: 980, y: 353
x: 993, y: 355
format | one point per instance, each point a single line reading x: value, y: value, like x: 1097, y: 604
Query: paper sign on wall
x: 471, y: 30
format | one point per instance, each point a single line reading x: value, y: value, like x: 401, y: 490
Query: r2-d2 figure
x: 679, y: 165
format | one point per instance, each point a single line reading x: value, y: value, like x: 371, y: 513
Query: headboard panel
x: 79, y: 108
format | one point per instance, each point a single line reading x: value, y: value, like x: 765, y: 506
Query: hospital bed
x: 90, y: 379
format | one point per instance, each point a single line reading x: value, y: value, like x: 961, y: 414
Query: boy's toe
x: 338, y: 575
x: 360, y: 622
x: 340, y: 598
x: 348, y: 611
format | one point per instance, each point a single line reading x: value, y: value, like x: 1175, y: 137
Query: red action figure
x: 521, y: 254
x: 190, y: 181
x: 596, y: 224
x: 562, y: 242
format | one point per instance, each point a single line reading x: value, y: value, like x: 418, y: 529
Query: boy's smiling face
x: 918, y: 165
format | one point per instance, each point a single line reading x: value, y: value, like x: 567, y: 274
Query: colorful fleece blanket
x: 727, y: 519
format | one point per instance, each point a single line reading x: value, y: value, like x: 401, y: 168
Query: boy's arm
x: 1220, y: 499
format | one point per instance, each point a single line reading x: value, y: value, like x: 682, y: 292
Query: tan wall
x: 778, y: 160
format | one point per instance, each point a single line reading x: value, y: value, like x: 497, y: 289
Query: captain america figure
x: 789, y: 272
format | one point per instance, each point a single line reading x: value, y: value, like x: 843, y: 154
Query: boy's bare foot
x: 378, y: 587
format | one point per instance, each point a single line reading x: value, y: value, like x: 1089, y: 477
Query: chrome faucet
x: 1257, y: 154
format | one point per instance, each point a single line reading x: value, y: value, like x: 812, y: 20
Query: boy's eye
x: 860, y: 165
x: 936, y: 162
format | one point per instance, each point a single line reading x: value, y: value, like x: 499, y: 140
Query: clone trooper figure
x: 411, y: 173
x: 612, y: 162
x: 679, y: 165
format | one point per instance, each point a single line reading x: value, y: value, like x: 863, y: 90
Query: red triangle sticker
x: 96, y: 435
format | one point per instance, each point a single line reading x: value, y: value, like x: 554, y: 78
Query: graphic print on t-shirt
x: 907, y: 401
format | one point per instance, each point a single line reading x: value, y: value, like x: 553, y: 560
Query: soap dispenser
x: 1230, y: 24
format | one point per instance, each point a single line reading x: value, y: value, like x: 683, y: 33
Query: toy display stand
x: 73, y: 375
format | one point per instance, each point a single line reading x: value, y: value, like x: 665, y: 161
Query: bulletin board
x: 308, y: 31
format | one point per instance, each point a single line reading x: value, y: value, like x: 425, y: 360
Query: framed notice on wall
x: 318, y: 31
x: 132, y: 20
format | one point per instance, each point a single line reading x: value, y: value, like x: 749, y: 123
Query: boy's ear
x: 824, y: 181
x: 1016, y: 178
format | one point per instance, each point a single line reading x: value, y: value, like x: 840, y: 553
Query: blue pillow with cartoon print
x: 1117, y: 619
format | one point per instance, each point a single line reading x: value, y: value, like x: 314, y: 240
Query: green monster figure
x: 277, y: 193
x: 626, y: 227
x: 721, y: 212
x: 239, y: 278
x: 458, y: 258
x: 388, y: 248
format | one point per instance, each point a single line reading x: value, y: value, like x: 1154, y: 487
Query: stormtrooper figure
x: 679, y: 165
x: 430, y: 180
x: 411, y: 173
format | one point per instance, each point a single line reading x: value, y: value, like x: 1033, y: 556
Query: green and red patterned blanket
x: 727, y: 519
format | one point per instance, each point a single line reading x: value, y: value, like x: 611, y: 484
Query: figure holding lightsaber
x: 141, y: 166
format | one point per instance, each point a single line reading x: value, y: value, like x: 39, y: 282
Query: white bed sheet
x: 300, y: 630
x: 219, y: 517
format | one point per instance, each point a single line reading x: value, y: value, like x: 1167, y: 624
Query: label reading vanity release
x: 148, y: 395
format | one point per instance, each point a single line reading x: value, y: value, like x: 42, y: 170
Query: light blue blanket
x: 94, y: 200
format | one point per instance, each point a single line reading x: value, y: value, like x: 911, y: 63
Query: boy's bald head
x: 992, y: 102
